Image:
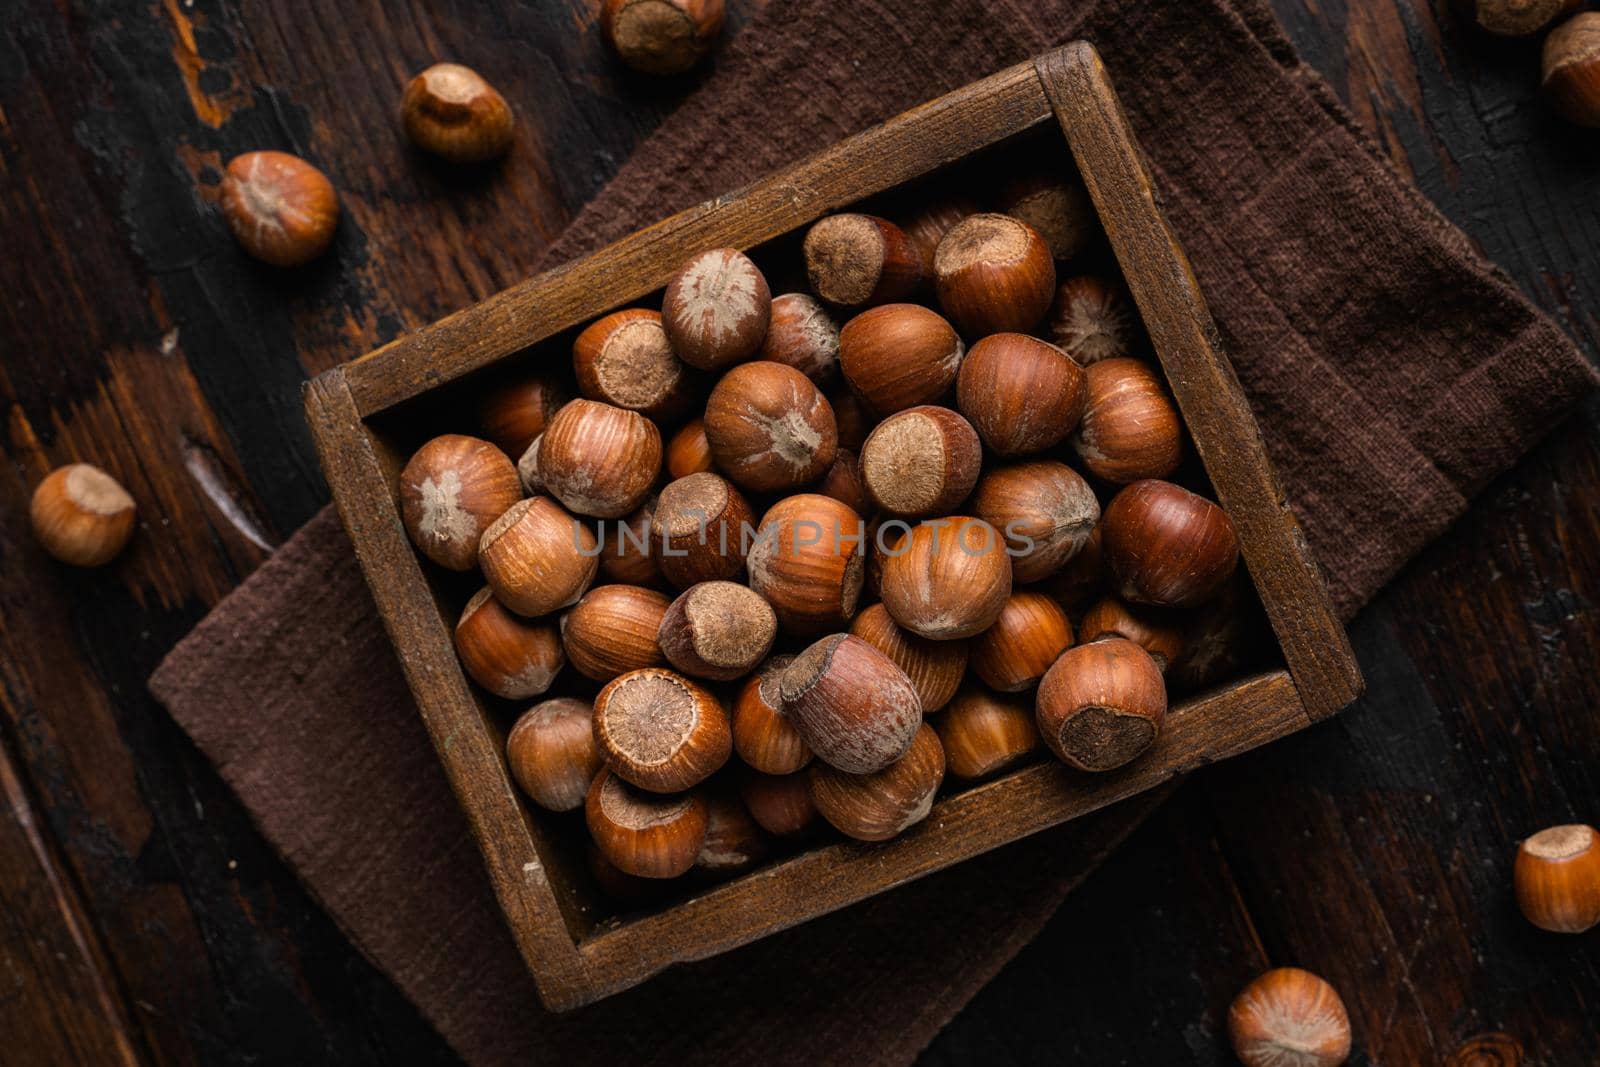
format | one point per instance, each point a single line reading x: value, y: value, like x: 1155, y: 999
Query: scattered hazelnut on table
x: 450, y: 111
x: 1092, y: 320
x: 451, y: 490
x: 624, y: 359
x: 648, y: 835
x: 716, y: 309
x: 769, y: 428
x: 1101, y: 705
x: 280, y: 208
x: 763, y: 736
x: 994, y: 274
x: 612, y: 630
x: 1166, y: 546
x: 921, y: 461
x: 1130, y: 429
x: 983, y: 733
x: 717, y: 631
x: 854, y: 706
x: 855, y: 261
x: 934, y: 667
x: 537, y: 557
x: 1014, y: 653
x: 1289, y: 1017
x: 81, y: 515
x: 1046, y: 512
x: 661, y: 36
x: 510, y: 656
x: 948, y: 578
x: 1572, y: 68
x: 660, y: 731
x: 899, y: 355
x: 598, y: 459
x: 552, y: 753
x: 878, y: 805
x: 1557, y: 879
x: 1022, y: 395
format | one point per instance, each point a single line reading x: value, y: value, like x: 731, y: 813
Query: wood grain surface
x: 145, y: 919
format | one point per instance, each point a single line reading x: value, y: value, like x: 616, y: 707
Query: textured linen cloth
x: 1393, y: 371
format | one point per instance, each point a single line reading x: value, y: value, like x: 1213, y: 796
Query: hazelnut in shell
x: 1130, y: 429
x: 510, y: 656
x: 803, y: 335
x: 552, y: 754
x: 624, y: 359
x: 661, y: 36
x: 1572, y: 68
x: 1166, y: 546
x: 1021, y: 394
x: 628, y: 548
x: 1092, y: 320
x: 1557, y: 879
x: 599, y: 459
x: 934, y: 667
x: 716, y: 309
x: 884, y: 803
x: 855, y: 708
x: 983, y: 733
x: 645, y: 834
x: 451, y: 112
x: 717, y: 630
x: 933, y: 217
x: 921, y: 461
x: 1101, y: 705
x: 734, y: 842
x: 660, y: 731
x: 1057, y: 207
x: 947, y: 579
x: 689, y: 452
x: 451, y: 490
x: 1081, y: 579
x: 808, y: 560
x: 612, y: 631
x: 855, y: 261
x: 779, y: 803
x: 1151, y: 629
x: 81, y: 515
x: 769, y: 428
x: 537, y: 558
x: 279, y: 207
x: 843, y: 482
x: 1289, y: 1017
x: 528, y: 469
x: 1013, y: 654
x: 853, y: 419
x: 516, y: 410
x: 700, y: 530
x: 1045, y: 511
x: 763, y: 736
x: 994, y: 274
x: 899, y: 355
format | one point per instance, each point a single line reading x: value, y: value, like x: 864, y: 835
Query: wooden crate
x: 576, y: 957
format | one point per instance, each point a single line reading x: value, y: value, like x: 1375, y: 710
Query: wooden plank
x: 1201, y: 731
x: 905, y: 147
x: 1202, y: 380
x: 513, y: 848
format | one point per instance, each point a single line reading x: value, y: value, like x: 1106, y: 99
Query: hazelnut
x: 843, y: 482
x: 899, y: 355
x: 1045, y: 511
x: 701, y: 530
x: 612, y: 630
x: 994, y: 274
x: 1557, y: 879
x: 660, y: 731
x: 769, y: 428
x: 622, y: 888
x: 645, y: 834
x: 1149, y: 628
x: 451, y: 111
x: 928, y: 224
x: 1516, y: 18
x: 451, y: 489
x: 1022, y: 394
x: 1572, y: 68
x: 552, y: 754
x: 779, y: 803
x: 1091, y: 320
x: 528, y: 469
x: 734, y: 842
x: 717, y: 630
x: 1013, y: 654
x: 689, y: 452
x: 983, y: 733
x: 1101, y: 705
x: 855, y: 708
x: 279, y: 207
x: 624, y: 359
x: 1058, y: 208
x: 852, y: 418
x: 1130, y: 430
x: 854, y: 261
x: 598, y: 459
x: 537, y: 558
x: 807, y: 561
x: 1081, y: 579
x: 1289, y: 1017
x: 716, y: 309
x: 513, y: 413
x: 804, y: 336
x: 877, y: 806
x: 661, y: 36
x: 948, y: 578
x: 508, y: 655
x: 763, y: 736
x: 1220, y: 638
x: 628, y: 548
x: 1167, y: 546
x: 81, y: 515
x: 934, y: 667
x: 921, y: 461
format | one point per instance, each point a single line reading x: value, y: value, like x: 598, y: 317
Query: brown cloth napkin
x: 1393, y: 371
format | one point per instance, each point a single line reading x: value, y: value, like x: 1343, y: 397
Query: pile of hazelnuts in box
x: 846, y: 538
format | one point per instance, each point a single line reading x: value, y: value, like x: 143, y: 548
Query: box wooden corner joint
x: 365, y: 419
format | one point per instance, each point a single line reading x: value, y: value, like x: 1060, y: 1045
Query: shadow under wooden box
x: 367, y: 417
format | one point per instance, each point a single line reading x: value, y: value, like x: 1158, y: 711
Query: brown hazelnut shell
x: 514, y: 412
x: 921, y: 461
x: 510, y: 656
x: 769, y: 428
x: 612, y: 630
x: 689, y: 452
x: 779, y: 803
x: 1014, y: 653
x: 1153, y: 630
x: 81, y: 515
x: 701, y: 529
x: 451, y: 490
x: 645, y: 834
x: 1101, y: 705
x: 994, y: 274
x: 1557, y: 879
x: 734, y: 841
x: 537, y: 557
x: 1130, y: 429
x: 983, y: 733
x: 882, y: 804
x: 763, y: 736
x: 452, y: 112
x: 628, y: 548
x: 855, y: 708
x: 1571, y: 66
x: 661, y: 37
x: 1166, y: 546
x: 1092, y: 320
x: 1021, y: 394
x: 280, y: 208
x: 1057, y: 207
x: 1289, y: 1016
x: 716, y: 308
x: 552, y: 754
x: 717, y: 630
x: 934, y: 667
x: 624, y: 359
x: 804, y: 336
x: 855, y: 261
x: 660, y: 731
x: 1045, y: 511
x: 899, y: 355
x: 947, y: 579
x: 598, y: 459
x: 807, y: 560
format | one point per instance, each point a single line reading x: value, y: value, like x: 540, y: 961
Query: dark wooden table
x: 142, y: 919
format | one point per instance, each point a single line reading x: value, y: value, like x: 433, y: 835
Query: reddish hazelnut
x: 1082, y: 578
x: 804, y: 336
x: 1149, y: 628
x: 1091, y: 320
x: 1013, y: 654
x: 537, y: 557
x: 661, y: 36
x: 1572, y: 68
x: 1058, y: 208
x: 994, y: 274
x: 628, y: 549
x: 853, y: 706
x: 510, y: 656
x: 598, y: 459
x: 514, y: 412
x: 716, y: 309
x: 934, y: 667
x: 1289, y: 1018
x: 983, y: 733
x: 1130, y: 430
x: 689, y: 452
x: 701, y: 530
x: 922, y: 461
x: 769, y: 428
x: 1045, y: 511
x: 450, y: 111
x: 660, y: 731
x: 779, y: 803
x: 645, y: 834
x: 852, y: 418
x: 855, y: 261
x: 81, y: 515
x: 624, y: 360
x: 279, y: 207
x: 807, y: 560
x: 933, y: 219
x: 948, y: 578
x: 1101, y: 705
x: 717, y: 630
x: 1022, y: 394
x: 880, y: 805
x: 612, y: 631
x: 1557, y: 879
x: 1167, y: 546
x: 843, y: 482
x: 734, y: 842
x: 763, y: 736
x: 899, y: 355
x: 451, y: 490
x: 552, y: 755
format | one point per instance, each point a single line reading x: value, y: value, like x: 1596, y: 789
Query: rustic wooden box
x: 576, y: 953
